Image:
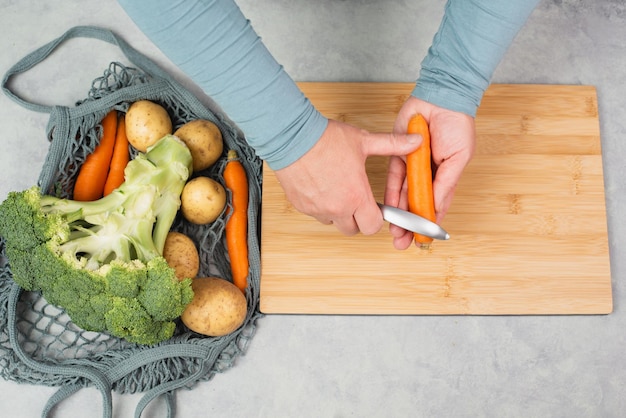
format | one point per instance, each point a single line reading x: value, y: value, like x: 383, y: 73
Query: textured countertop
x: 365, y: 366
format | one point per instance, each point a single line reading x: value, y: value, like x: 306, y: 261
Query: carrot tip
x: 232, y: 155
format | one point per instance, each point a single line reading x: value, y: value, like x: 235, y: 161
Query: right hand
x: 330, y: 183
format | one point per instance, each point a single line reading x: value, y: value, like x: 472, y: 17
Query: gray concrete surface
x: 368, y: 366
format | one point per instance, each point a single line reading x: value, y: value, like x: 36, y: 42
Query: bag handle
x: 38, y: 55
x: 103, y: 380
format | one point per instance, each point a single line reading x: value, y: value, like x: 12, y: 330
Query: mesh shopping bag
x: 39, y: 344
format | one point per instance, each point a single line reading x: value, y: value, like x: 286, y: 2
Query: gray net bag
x: 39, y: 344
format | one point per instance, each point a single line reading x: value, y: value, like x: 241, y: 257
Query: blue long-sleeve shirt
x: 215, y: 45
x: 472, y: 39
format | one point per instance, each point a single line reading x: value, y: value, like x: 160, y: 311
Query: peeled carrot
x: 94, y: 171
x: 237, y: 226
x: 420, y: 177
x: 119, y: 160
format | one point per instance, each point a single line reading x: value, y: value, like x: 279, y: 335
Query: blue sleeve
x: 214, y: 44
x: 469, y: 44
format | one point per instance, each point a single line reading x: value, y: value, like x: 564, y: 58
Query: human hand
x: 330, y: 183
x: 453, y: 140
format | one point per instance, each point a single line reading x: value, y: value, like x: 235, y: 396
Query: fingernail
x: 413, y: 139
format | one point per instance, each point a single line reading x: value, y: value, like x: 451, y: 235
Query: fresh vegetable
x: 93, y: 172
x: 203, y: 200
x: 181, y: 254
x: 102, y: 260
x: 204, y: 140
x: 237, y: 224
x: 217, y: 308
x: 420, y: 177
x: 146, y: 123
x: 119, y: 159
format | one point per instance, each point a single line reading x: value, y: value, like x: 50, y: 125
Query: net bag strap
x: 40, y: 54
x: 97, y: 378
x: 102, y: 380
x: 61, y: 117
x: 165, y: 390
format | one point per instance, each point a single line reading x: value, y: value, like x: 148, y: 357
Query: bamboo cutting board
x: 527, y: 224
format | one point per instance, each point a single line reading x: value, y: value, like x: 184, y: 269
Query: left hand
x: 453, y: 141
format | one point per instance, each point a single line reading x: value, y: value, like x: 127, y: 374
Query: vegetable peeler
x: 412, y: 222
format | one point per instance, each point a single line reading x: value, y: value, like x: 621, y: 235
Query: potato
x: 181, y: 254
x: 146, y: 123
x: 218, y: 307
x: 204, y: 140
x: 202, y: 200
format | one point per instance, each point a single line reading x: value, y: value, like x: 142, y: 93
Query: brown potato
x: 146, y: 123
x: 181, y: 254
x: 202, y: 200
x: 204, y: 140
x: 217, y: 308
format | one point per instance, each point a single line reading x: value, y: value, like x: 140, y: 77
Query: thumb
x: 390, y: 143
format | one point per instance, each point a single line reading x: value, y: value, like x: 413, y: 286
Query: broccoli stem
x: 133, y: 221
x: 74, y: 210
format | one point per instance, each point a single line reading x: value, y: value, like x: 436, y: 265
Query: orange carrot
x: 420, y: 177
x: 237, y: 225
x: 119, y: 160
x: 93, y: 173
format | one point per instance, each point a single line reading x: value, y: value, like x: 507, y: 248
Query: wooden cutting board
x: 528, y: 222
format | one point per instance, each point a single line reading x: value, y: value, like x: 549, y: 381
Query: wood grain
x: 528, y: 222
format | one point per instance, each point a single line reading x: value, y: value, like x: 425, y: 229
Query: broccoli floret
x: 161, y: 295
x: 128, y: 318
x: 102, y: 261
x: 124, y: 279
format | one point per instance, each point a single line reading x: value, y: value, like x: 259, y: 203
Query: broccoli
x: 102, y: 261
